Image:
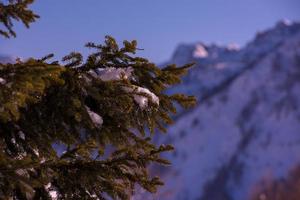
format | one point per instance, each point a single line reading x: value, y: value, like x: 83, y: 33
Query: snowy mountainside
x: 246, y: 125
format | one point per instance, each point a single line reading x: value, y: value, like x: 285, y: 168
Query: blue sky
x: 158, y: 25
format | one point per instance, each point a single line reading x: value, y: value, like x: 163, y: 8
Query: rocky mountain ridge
x: 246, y: 125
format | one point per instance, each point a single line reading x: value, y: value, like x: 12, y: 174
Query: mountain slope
x: 246, y: 125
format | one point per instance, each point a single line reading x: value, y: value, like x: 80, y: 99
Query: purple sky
x: 158, y: 25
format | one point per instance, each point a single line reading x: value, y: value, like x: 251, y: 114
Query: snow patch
x: 112, y: 73
x: 141, y: 98
x: 96, y: 119
x: 21, y: 135
x: 233, y: 47
x: 52, y: 193
x: 200, y: 51
x: 36, y: 152
x: 2, y: 81
x: 285, y: 22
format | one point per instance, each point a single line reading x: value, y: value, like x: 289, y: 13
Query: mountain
x: 246, y: 126
x: 6, y: 59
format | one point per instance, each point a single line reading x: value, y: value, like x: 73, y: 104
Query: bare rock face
x: 247, y: 122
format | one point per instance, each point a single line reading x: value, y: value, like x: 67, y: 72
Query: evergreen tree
x: 97, y: 109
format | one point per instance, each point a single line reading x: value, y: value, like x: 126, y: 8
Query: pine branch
x: 99, y: 108
x: 15, y: 10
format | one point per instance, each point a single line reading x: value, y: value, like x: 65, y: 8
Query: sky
x: 158, y: 25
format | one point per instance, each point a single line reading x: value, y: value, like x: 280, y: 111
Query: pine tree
x: 103, y: 112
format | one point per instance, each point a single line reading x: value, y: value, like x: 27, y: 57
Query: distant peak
x: 284, y: 29
x: 233, y: 47
x: 284, y: 23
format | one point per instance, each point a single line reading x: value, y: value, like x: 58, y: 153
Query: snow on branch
x: 2, y: 81
x: 96, y: 119
x: 112, y: 73
x: 142, y: 95
x: 52, y: 192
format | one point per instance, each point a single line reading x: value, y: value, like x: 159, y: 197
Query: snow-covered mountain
x: 6, y: 59
x: 246, y: 126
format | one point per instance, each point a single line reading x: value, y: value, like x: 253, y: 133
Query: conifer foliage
x: 96, y: 109
x: 15, y: 10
